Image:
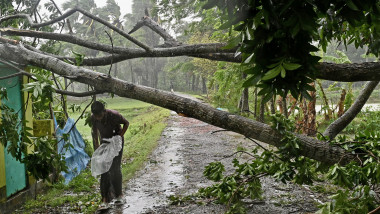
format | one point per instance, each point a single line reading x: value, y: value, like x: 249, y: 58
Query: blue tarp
x: 76, y: 158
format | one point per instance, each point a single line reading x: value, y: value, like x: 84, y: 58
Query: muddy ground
x: 175, y: 168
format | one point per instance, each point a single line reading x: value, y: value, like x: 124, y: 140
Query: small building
x: 13, y: 176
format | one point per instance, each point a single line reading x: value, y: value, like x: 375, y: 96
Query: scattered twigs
x: 221, y: 130
x: 257, y: 143
x: 233, y: 154
x: 69, y: 13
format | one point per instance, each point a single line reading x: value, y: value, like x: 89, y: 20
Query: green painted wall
x: 15, y: 174
x: 2, y: 164
x: 2, y: 167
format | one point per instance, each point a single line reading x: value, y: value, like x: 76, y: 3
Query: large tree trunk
x: 338, y: 125
x: 272, y: 105
x: 244, y: 104
x: 341, y: 103
x: 311, y: 114
x: 204, y: 86
x: 262, y: 110
x: 328, y: 114
x: 309, y: 147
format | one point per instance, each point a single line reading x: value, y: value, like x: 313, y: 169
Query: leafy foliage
x: 17, y: 138
x: 357, y: 180
x: 271, y: 33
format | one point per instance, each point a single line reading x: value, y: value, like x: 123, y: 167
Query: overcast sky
x: 125, y: 5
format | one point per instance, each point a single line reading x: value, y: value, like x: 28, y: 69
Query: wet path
x: 160, y: 177
x: 176, y: 168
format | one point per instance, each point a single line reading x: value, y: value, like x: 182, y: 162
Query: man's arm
x: 125, y: 127
x: 95, y: 136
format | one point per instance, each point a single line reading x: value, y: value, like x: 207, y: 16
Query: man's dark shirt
x: 109, y: 126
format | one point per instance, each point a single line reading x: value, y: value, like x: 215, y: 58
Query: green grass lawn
x: 146, y: 125
x: 127, y: 107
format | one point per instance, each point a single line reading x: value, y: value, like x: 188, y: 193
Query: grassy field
x: 127, y: 107
x: 146, y: 125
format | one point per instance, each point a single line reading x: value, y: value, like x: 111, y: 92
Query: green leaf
x: 35, y: 92
x: 264, y: 91
x: 274, y: 64
x: 248, y: 59
x: 295, y: 30
x: 290, y: 66
x: 232, y: 43
x: 283, y: 73
x: 267, y: 97
x: 252, y: 81
x: 308, y: 87
x: 352, y: 5
x: 273, y: 73
x: 210, y: 4
x: 306, y: 95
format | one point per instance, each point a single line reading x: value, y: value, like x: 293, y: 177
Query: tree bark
x: 309, y: 147
x: 338, y: 125
x: 341, y: 103
x: 262, y: 110
x: 328, y: 114
x: 272, y: 105
x: 284, y: 106
x: 244, y: 104
x: 204, y: 86
x: 311, y: 114
x: 255, y: 111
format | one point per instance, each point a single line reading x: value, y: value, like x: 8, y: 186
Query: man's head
x: 98, y: 109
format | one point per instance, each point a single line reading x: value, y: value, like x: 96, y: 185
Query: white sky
x: 125, y: 5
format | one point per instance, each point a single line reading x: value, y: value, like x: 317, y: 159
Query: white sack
x: 102, y: 158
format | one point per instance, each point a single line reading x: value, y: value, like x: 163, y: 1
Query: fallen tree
x: 312, y: 148
x: 15, y: 51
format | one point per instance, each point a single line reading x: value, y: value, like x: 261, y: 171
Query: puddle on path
x: 161, y: 176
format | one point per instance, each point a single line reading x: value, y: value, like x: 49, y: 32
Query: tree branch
x: 338, y: 125
x: 368, y: 71
x: 15, y: 75
x: 10, y: 41
x: 147, y: 21
x: 69, y: 13
x: 195, y: 50
x: 109, y: 72
x: 78, y: 94
x: 66, y: 38
x: 60, y: 12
